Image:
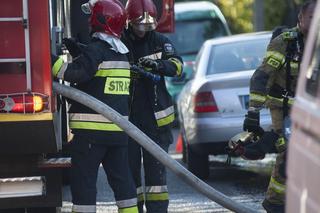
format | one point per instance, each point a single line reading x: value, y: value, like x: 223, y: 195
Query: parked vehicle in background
x: 213, y: 104
x: 195, y: 22
x: 303, y: 170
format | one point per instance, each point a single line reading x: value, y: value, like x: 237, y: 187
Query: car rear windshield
x: 237, y: 56
x: 190, y: 35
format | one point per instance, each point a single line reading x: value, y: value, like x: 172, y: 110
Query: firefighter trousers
x: 154, y: 195
x: 86, y: 159
x: 275, y: 196
x: 276, y: 189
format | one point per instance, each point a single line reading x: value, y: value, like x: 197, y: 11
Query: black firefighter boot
x: 272, y: 208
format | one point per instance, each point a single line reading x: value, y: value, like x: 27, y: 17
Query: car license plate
x: 244, y: 99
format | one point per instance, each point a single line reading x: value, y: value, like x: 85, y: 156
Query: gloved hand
x: 155, y: 65
x: 237, y: 151
x: 252, y: 121
x: 72, y: 46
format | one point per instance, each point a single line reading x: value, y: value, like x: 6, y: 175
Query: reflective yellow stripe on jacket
x: 117, y: 74
x: 276, y: 186
x: 257, y: 98
x: 92, y: 122
x: 165, y: 117
x: 280, y: 100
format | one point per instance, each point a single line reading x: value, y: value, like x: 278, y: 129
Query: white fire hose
x: 151, y: 147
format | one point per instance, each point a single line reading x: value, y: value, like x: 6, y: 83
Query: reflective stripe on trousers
x: 156, y: 193
x: 83, y: 208
x: 127, y: 206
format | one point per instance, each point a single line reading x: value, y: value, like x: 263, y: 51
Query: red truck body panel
x: 12, y: 45
x: 26, y: 131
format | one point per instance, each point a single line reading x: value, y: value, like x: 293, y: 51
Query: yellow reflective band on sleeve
x: 165, y: 121
x: 280, y: 100
x: 157, y: 196
x: 178, y: 65
x: 57, y: 66
x: 113, y: 73
x: 276, y: 186
x: 133, y: 209
x: 275, y: 59
x: 257, y: 98
x: 94, y: 126
x: 117, y: 86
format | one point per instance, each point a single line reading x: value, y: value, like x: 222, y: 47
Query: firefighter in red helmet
x: 102, y: 64
x: 151, y: 106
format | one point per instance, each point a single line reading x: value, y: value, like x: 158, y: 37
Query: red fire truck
x: 32, y: 120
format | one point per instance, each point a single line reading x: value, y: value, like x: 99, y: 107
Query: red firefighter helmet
x: 108, y: 16
x: 142, y: 14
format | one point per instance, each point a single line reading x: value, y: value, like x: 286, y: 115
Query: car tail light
x: 204, y: 102
x: 24, y: 103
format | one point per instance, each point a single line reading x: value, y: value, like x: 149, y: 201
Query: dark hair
x: 305, y: 5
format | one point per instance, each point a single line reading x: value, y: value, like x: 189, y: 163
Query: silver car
x: 213, y: 104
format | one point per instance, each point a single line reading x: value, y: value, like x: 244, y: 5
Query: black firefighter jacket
x: 151, y: 106
x: 104, y: 74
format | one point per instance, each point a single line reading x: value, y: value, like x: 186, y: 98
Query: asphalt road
x: 244, y: 181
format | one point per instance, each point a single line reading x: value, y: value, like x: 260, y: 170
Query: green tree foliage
x: 239, y: 14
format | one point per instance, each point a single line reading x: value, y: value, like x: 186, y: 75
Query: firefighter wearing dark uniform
x: 151, y: 106
x: 102, y: 71
x: 273, y: 85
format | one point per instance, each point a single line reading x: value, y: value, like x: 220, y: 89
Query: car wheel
x: 198, y: 163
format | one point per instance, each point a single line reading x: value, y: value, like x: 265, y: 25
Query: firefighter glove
x: 72, y: 46
x: 155, y: 65
x: 252, y: 121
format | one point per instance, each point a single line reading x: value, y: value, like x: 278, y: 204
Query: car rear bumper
x: 219, y: 129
